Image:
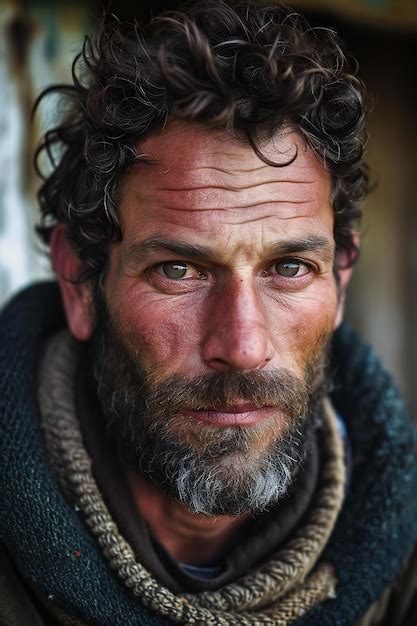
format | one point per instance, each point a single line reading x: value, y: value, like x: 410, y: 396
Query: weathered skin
x: 232, y: 309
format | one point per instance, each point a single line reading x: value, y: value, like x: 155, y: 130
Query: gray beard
x: 213, y: 471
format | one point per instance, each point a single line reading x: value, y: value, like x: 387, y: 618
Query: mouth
x: 237, y: 414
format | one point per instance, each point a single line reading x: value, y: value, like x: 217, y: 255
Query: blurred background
x: 38, y: 41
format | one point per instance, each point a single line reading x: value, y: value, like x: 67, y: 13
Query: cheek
x: 302, y: 327
x: 163, y: 334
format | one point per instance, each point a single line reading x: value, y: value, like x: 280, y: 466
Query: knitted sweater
x: 57, y: 558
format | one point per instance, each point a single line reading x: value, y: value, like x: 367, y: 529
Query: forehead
x: 200, y: 180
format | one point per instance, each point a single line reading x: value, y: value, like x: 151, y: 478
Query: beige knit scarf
x: 278, y: 592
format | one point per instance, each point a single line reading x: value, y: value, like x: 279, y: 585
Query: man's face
x: 222, y: 289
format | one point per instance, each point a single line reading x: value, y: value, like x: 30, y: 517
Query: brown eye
x: 173, y: 270
x: 288, y: 269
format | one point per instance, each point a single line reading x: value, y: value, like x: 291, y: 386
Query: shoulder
x: 16, y: 605
x: 398, y: 604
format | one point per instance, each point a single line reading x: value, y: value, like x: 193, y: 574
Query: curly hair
x: 244, y: 67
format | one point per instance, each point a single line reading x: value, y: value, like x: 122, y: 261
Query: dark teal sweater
x: 51, y: 547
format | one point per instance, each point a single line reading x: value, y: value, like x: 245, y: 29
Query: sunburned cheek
x: 309, y: 342
x: 163, y: 336
x: 303, y: 329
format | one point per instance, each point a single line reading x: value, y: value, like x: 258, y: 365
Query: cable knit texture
x: 52, y: 547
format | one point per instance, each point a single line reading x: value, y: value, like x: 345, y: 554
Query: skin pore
x: 226, y: 264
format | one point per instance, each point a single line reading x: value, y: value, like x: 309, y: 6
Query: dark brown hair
x: 244, y: 67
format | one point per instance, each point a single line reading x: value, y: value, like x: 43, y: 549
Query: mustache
x: 277, y: 388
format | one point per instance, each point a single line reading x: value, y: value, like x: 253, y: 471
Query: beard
x: 211, y: 470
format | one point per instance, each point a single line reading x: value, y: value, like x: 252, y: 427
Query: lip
x: 244, y: 414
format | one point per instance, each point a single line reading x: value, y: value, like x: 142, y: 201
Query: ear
x: 77, y: 298
x: 344, y: 274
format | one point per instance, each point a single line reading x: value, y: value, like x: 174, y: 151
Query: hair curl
x: 243, y: 67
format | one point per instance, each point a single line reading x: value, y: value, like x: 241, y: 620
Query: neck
x: 188, y: 537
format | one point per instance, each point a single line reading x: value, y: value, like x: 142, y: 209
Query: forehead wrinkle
x: 271, y: 216
x: 219, y: 197
x: 224, y: 171
x: 234, y: 187
x: 191, y: 169
x: 199, y: 191
x: 235, y: 207
x: 204, y: 174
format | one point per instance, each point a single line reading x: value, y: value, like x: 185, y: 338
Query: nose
x: 237, y: 337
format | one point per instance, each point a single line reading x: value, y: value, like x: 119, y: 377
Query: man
x: 202, y: 442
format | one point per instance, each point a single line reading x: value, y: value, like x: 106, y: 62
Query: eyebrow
x: 138, y: 250
x: 312, y: 243
x: 183, y: 249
